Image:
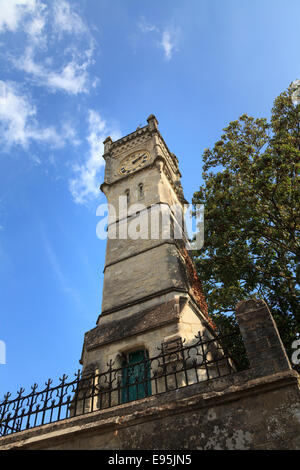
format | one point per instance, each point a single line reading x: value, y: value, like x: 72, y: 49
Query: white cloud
x: 18, y: 124
x: 168, y: 43
x: 72, y: 77
x: 43, y: 24
x: 85, y: 186
x: 169, y: 37
x: 15, y: 111
x: 36, y: 159
x: 146, y: 27
x: 66, y: 20
x: 12, y: 12
x: 70, y: 134
x: 47, y: 134
x: 54, y: 49
x: 36, y: 28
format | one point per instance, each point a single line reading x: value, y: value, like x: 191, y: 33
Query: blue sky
x: 74, y: 72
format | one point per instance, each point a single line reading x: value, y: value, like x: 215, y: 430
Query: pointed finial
x: 107, y: 144
x: 152, y: 122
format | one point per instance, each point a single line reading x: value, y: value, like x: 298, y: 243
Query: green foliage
x: 251, y: 197
x: 232, y: 341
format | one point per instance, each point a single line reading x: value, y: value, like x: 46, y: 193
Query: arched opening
x: 141, y: 190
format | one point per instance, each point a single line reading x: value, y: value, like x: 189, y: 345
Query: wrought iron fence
x: 177, y: 364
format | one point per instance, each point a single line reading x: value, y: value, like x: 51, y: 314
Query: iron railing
x: 177, y: 364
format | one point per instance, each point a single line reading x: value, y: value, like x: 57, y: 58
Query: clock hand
x: 136, y: 160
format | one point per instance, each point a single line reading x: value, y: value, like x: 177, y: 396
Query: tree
x: 251, y: 199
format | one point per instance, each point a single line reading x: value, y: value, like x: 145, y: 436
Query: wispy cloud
x: 32, y: 14
x: 43, y: 29
x: 72, y: 77
x: 146, y: 27
x: 84, y: 186
x: 168, y: 37
x: 70, y: 133
x: 18, y: 124
x: 35, y: 27
x: 13, y: 12
x: 168, y: 43
x: 46, y: 25
x: 66, y: 19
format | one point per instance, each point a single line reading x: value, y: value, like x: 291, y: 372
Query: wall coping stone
x: 204, y: 394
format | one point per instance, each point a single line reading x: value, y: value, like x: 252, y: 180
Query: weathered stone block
x: 263, y: 344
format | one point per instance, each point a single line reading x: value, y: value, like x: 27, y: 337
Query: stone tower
x: 151, y: 293
x: 152, y: 297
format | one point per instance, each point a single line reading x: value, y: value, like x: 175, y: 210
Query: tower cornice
x: 128, y: 137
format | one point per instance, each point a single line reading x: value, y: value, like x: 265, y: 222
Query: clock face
x: 134, y: 162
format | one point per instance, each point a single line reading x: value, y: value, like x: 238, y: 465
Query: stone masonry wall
x: 255, y: 409
x: 234, y: 412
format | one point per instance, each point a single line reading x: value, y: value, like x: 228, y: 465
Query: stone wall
x: 255, y: 409
x: 234, y: 412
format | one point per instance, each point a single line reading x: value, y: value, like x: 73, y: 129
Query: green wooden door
x: 136, y: 377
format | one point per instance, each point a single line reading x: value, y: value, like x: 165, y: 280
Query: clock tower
x: 151, y: 292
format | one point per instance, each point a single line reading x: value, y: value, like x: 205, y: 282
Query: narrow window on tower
x: 141, y: 190
x: 127, y: 192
